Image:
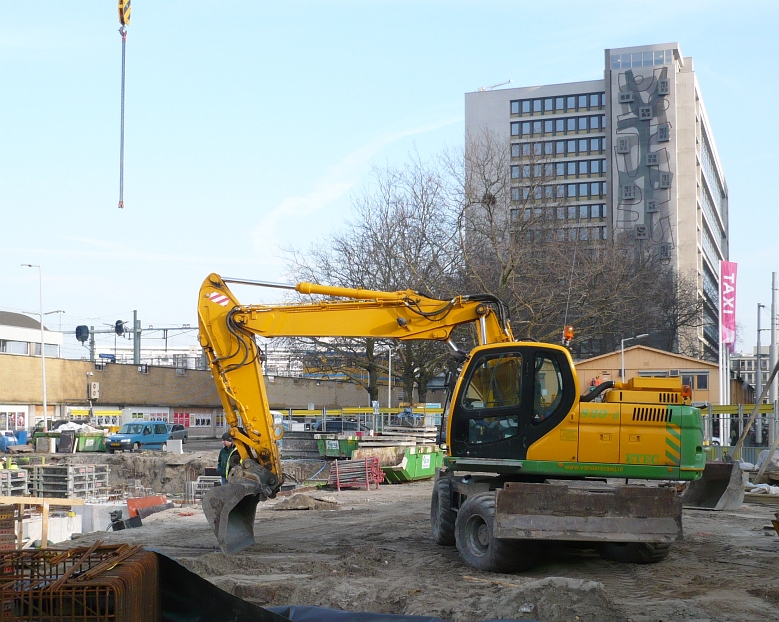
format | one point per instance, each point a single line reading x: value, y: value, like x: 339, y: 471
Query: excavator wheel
x: 442, y: 517
x: 635, y: 552
x: 479, y: 548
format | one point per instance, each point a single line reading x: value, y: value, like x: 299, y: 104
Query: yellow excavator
x: 527, y: 459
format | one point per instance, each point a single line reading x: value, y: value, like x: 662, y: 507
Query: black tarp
x: 187, y: 597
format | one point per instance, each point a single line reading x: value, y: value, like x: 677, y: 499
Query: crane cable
x: 124, y: 20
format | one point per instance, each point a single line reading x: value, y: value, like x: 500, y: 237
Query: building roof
x: 648, y: 349
x: 19, y: 320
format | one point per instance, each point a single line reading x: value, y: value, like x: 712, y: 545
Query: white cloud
x: 334, y: 185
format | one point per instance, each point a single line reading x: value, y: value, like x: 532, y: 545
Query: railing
x: 412, y: 417
x: 727, y: 423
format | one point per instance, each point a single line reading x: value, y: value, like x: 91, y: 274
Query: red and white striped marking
x: 218, y: 298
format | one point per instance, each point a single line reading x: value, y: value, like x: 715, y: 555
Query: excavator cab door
x: 509, y: 397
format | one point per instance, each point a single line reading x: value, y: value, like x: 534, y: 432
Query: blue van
x: 141, y: 435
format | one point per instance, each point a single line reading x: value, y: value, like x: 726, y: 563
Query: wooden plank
x: 55, y: 501
x: 45, y: 525
x: 762, y: 499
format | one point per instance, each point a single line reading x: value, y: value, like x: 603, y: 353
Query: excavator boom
x: 227, y: 335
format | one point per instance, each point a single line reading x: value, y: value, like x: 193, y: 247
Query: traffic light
x: 119, y: 327
x: 82, y: 333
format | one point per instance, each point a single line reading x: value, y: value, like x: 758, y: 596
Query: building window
x: 595, y: 213
x: 526, y: 107
x: 594, y: 189
x: 548, y: 107
x: 571, y: 191
x: 16, y: 347
x: 571, y: 147
x: 595, y: 122
x: 582, y: 102
x: 702, y: 381
x: 515, y: 129
x: 537, y: 148
x: 595, y: 167
x: 559, y: 104
x: 515, y: 150
x: 526, y: 149
x: 549, y: 148
x: 559, y: 126
x: 560, y: 169
x: 571, y: 169
x: 515, y: 194
x: 514, y: 172
x: 584, y: 190
x: 571, y: 124
x: 583, y: 146
x: 536, y: 127
x: 571, y: 103
x: 515, y: 107
x: 582, y: 167
x: 560, y: 147
x: 536, y: 105
x: 560, y: 191
x: 548, y: 126
x: 582, y: 124
x: 52, y: 350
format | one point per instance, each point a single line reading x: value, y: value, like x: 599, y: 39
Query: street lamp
x: 622, y: 374
x: 60, y: 311
x: 89, y: 398
x: 389, y: 380
x: 43, y: 345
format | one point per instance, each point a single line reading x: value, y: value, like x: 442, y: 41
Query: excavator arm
x: 227, y: 335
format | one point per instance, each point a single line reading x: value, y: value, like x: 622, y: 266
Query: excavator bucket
x: 721, y: 487
x: 230, y: 511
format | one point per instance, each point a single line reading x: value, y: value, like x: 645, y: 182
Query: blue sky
x: 250, y: 125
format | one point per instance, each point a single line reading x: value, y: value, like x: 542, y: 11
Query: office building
x: 630, y: 154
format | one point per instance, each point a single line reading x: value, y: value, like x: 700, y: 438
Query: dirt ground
x: 371, y: 551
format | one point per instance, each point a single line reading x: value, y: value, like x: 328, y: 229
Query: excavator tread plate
x: 588, y: 514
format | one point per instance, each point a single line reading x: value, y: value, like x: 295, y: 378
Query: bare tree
x: 401, y: 236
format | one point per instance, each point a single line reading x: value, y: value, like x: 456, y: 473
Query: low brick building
x: 143, y: 392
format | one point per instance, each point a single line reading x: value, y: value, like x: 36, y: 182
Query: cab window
x: 547, y: 388
x: 160, y: 428
x: 493, y: 386
x: 494, y: 383
x: 146, y: 430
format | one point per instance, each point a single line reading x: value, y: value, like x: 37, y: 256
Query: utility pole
x: 92, y: 343
x: 759, y: 372
x: 772, y: 350
x: 136, y: 339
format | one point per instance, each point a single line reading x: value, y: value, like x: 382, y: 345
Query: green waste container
x: 335, y: 446
x: 418, y: 463
x: 90, y: 442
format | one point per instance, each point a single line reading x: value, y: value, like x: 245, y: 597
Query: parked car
x: 141, y: 435
x: 178, y: 432
x: 340, y: 425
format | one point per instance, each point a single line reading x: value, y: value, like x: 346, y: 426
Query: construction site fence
x: 722, y: 425
x: 386, y: 417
